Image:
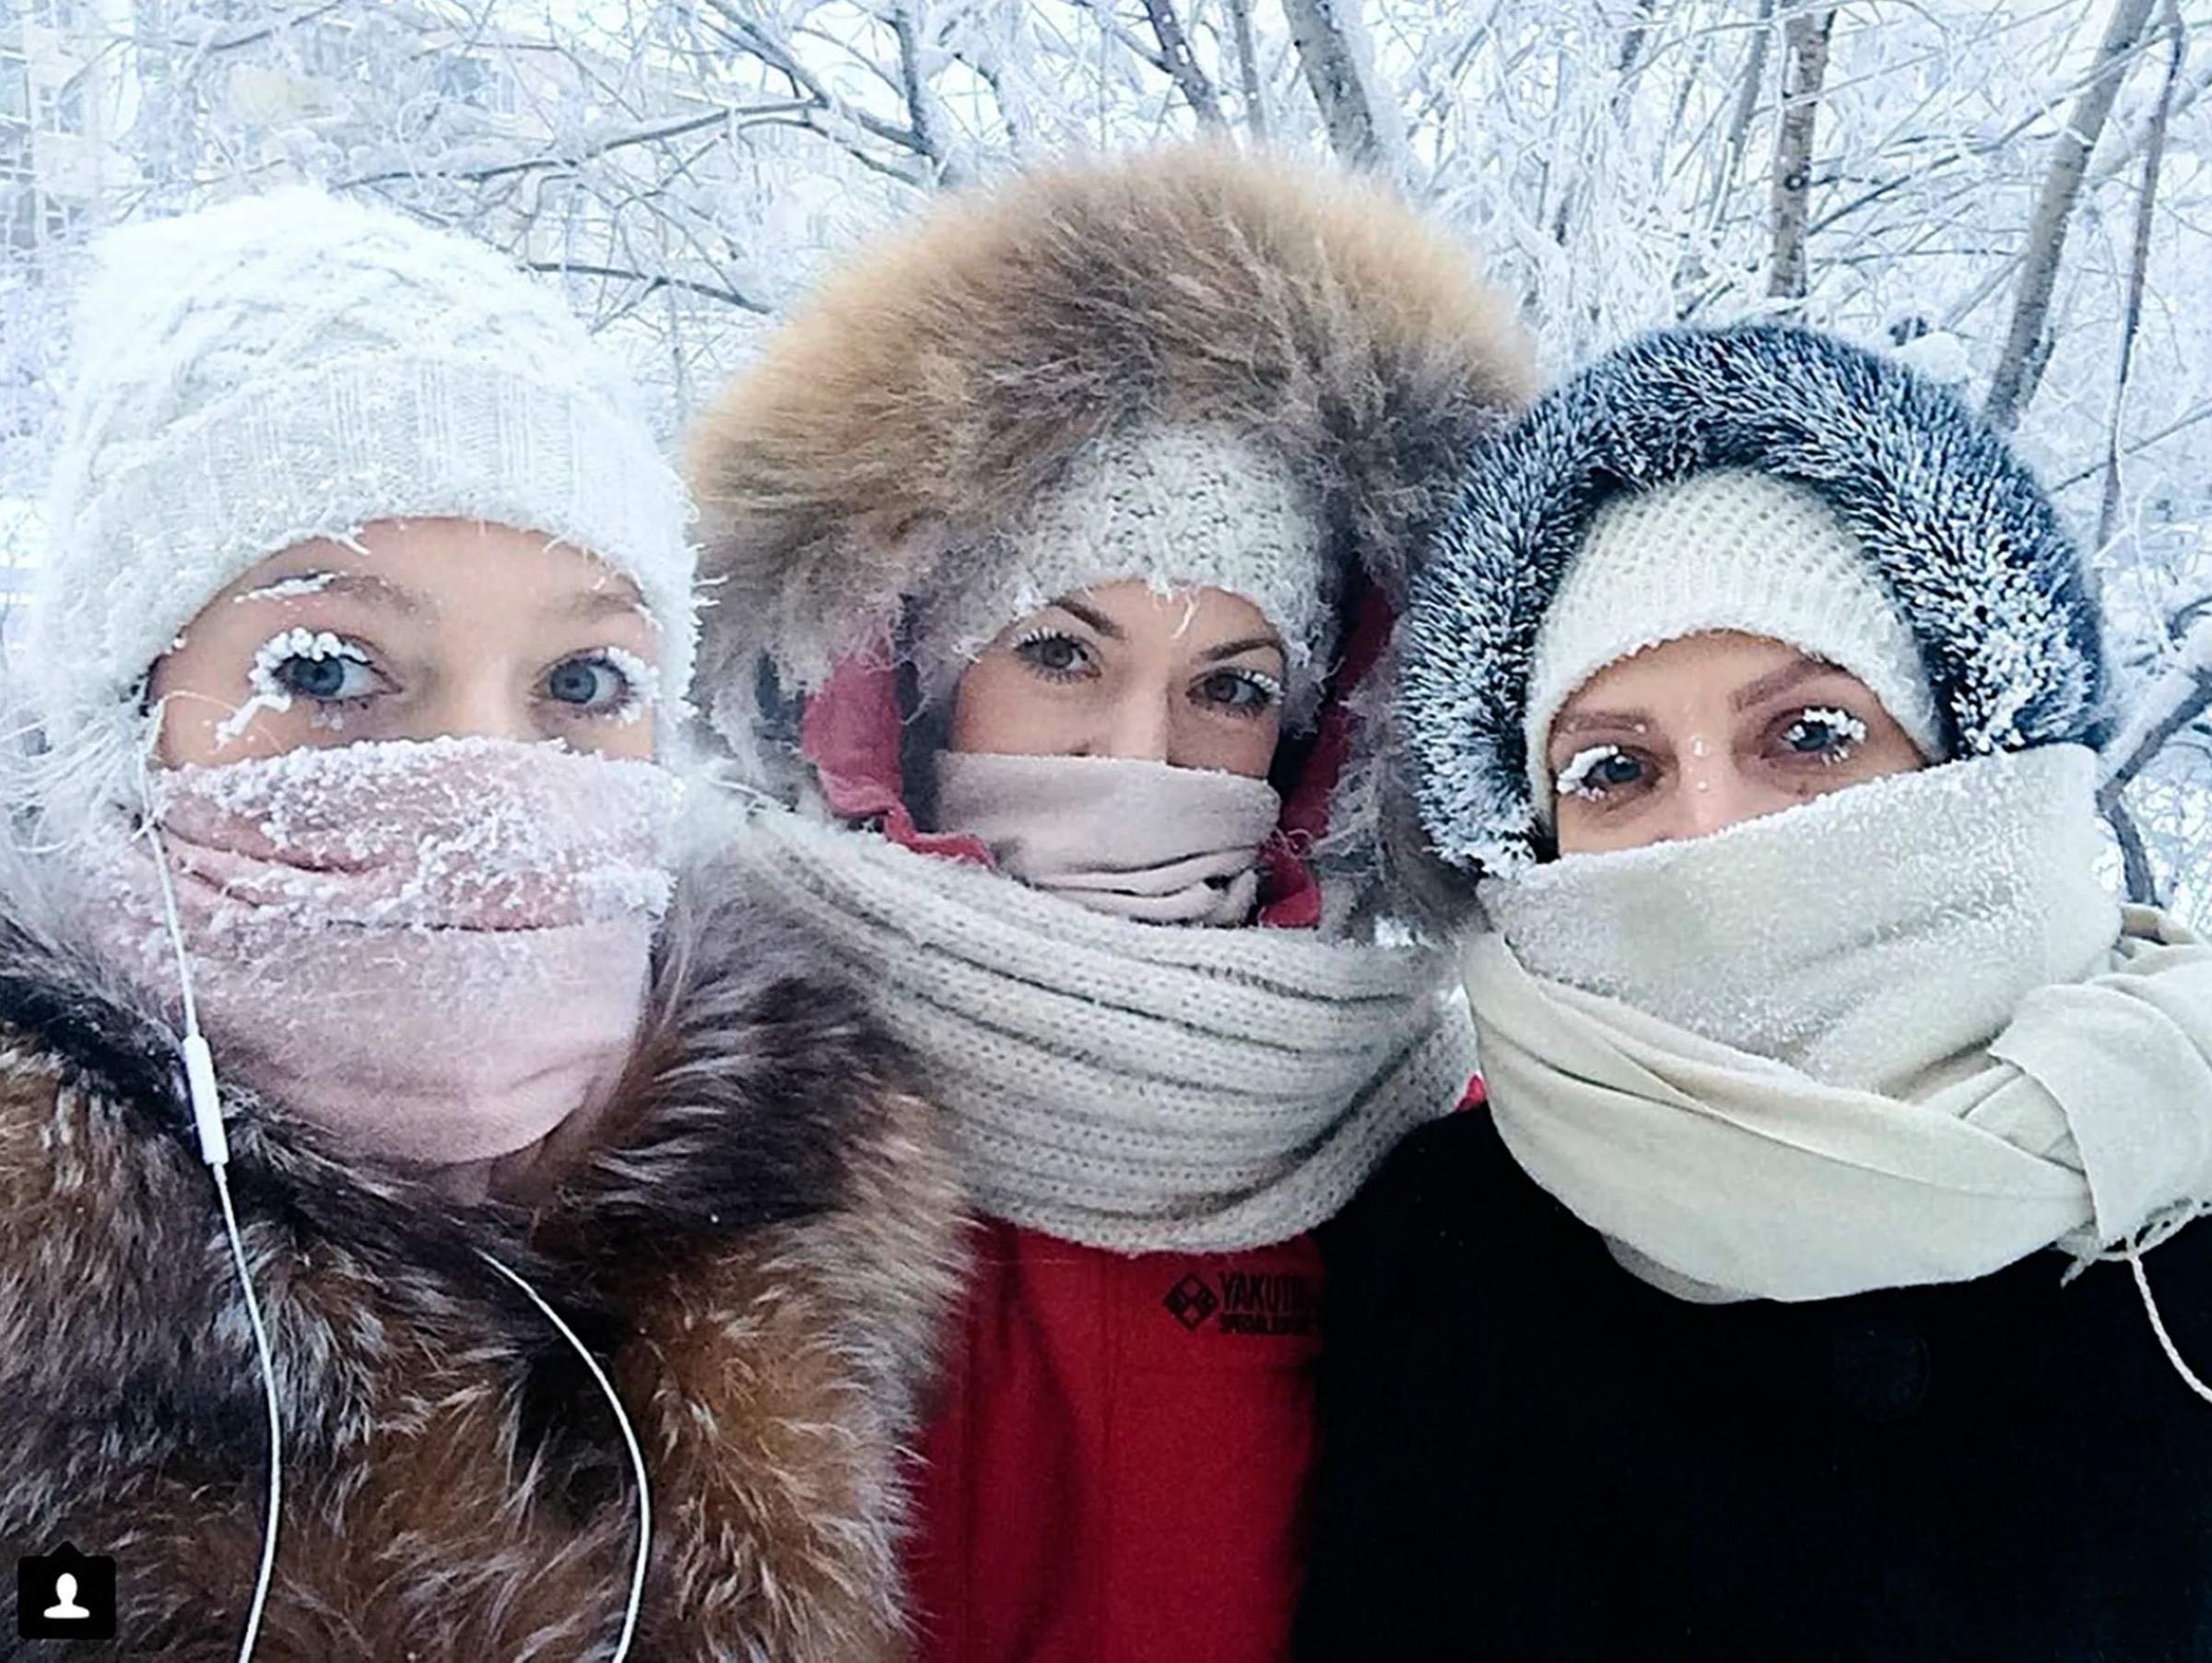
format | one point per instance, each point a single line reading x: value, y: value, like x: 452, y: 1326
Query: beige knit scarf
x: 1116, y: 1083
x: 1895, y: 1036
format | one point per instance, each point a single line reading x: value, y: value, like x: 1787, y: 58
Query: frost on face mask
x: 436, y: 946
x: 270, y: 694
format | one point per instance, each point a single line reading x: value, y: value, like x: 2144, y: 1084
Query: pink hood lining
x: 851, y: 734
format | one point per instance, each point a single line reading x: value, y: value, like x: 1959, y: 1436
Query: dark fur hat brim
x: 1959, y: 533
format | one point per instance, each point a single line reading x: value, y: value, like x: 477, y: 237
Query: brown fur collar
x: 948, y: 373
x: 762, y: 1249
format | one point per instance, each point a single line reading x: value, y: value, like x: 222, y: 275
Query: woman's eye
x: 1056, y: 656
x: 1598, y: 772
x: 328, y: 672
x: 1824, y: 734
x: 592, y: 683
x: 1240, y: 693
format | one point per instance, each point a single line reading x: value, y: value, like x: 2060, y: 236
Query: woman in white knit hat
x: 367, y: 617
x: 1793, y: 1298
x: 1073, y: 520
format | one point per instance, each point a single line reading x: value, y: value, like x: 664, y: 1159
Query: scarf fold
x: 1117, y: 1084
x: 438, y: 950
x: 1132, y: 838
x: 1897, y: 1035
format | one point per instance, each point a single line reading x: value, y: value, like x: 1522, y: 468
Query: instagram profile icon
x: 66, y: 1595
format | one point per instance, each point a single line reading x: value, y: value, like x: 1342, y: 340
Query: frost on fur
x: 1994, y: 593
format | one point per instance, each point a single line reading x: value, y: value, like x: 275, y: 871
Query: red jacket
x: 1118, y: 1473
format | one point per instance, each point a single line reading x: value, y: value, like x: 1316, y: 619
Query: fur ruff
x: 948, y: 374
x: 1958, y: 530
x: 761, y: 1247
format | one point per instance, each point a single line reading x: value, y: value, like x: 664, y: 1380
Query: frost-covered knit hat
x: 1173, y: 505
x: 290, y: 367
x: 1948, y: 525
x: 1729, y: 548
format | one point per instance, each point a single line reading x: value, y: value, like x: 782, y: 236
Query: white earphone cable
x: 215, y: 1148
x: 207, y: 1119
x: 630, y: 1438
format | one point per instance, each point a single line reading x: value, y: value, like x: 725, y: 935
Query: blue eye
x: 1598, y: 772
x: 1824, y: 734
x: 327, y: 677
x: 590, y: 683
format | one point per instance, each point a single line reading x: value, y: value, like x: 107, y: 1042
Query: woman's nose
x: 485, y: 707
x: 1715, y: 794
x: 1137, y: 727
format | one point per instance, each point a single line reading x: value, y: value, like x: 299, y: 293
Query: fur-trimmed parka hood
x: 947, y: 376
x: 1968, y: 546
x: 759, y: 1248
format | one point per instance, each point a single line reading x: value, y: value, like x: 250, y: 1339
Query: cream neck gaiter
x: 1897, y: 1035
x: 438, y: 950
x: 1135, y: 839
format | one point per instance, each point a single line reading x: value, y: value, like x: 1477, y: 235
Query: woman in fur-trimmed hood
x: 368, y: 603
x: 1057, y: 542
x: 1793, y: 1295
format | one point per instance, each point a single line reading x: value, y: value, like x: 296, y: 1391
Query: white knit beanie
x: 1729, y: 548
x: 1175, y: 506
x: 290, y: 367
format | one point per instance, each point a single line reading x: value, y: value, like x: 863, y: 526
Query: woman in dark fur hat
x: 354, y: 657
x: 1073, y: 519
x: 1793, y: 1295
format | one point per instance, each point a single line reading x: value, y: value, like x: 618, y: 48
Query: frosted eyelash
x: 268, y: 693
x: 644, y: 683
x: 1260, y: 678
x: 1852, y: 730
x: 1574, y: 778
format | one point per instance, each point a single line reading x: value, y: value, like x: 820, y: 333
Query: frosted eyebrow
x: 361, y: 585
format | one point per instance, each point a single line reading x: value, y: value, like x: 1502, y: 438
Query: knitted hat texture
x: 1730, y: 549
x: 1174, y: 506
x: 290, y: 367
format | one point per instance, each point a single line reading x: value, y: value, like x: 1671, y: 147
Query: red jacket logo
x: 1245, y: 1302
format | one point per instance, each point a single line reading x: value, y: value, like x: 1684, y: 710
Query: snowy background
x: 2017, y: 196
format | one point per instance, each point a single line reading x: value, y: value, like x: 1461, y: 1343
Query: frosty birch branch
x: 2154, y: 156
x: 1182, y: 68
x: 921, y: 112
x: 2020, y: 365
x: 2140, y: 875
x: 2177, y: 700
x: 1805, y: 35
x: 654, y: 283
x: 1340, y: 90
x: 1248, y: 68
x: 2201, y: 413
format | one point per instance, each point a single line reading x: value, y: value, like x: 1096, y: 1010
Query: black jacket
x: 1530, y: 1454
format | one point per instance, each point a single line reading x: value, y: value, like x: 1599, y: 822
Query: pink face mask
x: 437, y: 950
